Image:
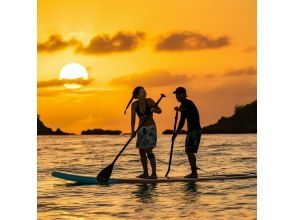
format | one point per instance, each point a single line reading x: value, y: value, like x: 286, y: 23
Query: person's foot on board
x: 143, y: 175
x: 192, y: 175
x: 152, y: 176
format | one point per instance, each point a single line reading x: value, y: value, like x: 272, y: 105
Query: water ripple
x: 58, y: 199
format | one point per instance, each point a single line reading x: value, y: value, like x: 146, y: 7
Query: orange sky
x: 208, y: 46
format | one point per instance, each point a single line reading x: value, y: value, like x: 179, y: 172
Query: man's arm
x: 181, y: 123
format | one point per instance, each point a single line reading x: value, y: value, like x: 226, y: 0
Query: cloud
x: 181, y: 41
x: 231, y: 90
x: 84, y: 91
x: 49, y: 93
x: 56, y: 42
x: 236, y: 89
x: 209, y: 76
x: 250, y: 49
x: 240, y: 72
x: 59, y: 82
x: 121, y: 41
x: 124, y: 41
x: 150, y: 79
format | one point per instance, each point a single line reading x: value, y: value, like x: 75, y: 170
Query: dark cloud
x: 234, y: 89
x: 129, y: 41
x: 240, y: 72
x: 209, y: 76
x: 57, y: 92
x: 150, y: 79
x: 49, y: 93
x: 122, y: 41
x: 250, y: 49
x: 180, y: 41
x: 84, y: 91
x: 56, y: 42
x: 59, y: 82
x: 230, y: 90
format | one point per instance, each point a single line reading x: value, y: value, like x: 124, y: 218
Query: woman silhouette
x: 146, y: 136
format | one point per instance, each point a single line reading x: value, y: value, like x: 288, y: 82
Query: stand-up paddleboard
x: 83, y: 179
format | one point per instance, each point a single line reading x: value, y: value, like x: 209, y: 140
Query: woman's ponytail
x: 128, y: 105
x: 134, y: 96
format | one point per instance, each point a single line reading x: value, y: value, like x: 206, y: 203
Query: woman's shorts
x: 146, y: 137
x: 192, y: 141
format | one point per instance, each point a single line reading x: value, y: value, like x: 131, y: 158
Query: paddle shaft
x: 140, y: 126
x: 172, y: 145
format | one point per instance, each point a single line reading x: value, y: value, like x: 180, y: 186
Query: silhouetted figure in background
x: 147, y: 135
x: 190, y: 112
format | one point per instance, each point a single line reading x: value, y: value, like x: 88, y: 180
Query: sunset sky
x: 207, y: 46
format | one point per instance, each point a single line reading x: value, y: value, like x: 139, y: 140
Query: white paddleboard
x: 84, y: 179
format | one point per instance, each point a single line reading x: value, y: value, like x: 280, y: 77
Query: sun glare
x: 73, y: 71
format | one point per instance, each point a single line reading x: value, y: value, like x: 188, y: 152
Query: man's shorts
x: 192, y: 141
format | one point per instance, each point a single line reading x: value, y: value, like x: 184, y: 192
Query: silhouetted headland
x: 100, y: 132
x: 43, y: 130
x: 244, y: 120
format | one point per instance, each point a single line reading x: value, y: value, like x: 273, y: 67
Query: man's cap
x: 180, y: 90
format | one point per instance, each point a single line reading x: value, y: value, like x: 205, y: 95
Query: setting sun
x: 73, y: 71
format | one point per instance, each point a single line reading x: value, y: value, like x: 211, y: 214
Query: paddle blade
x: 105, y: 174
x: 167, y: 173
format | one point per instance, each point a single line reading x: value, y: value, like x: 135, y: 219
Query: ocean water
x: 229, y: 199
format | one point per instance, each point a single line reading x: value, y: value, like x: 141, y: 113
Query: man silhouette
x: 189, y: 111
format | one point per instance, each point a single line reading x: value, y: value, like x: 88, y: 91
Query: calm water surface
x: 230, y: 199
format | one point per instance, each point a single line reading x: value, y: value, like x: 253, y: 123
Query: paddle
x: 105, y: 174
x: 172, y: 145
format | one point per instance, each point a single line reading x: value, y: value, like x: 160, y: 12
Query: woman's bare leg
x: 143, y: 159
x: 152, y: 160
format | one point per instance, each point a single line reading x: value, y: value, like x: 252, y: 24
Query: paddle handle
x: 140, y: 126
x: 172, y: 145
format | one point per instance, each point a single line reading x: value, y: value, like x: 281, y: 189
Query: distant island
x: 168, y: 131
x: 43, y: 130
x: 244, y: 120
x: 99, y: 131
